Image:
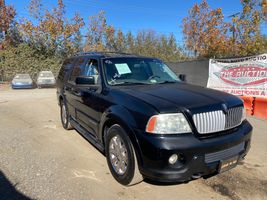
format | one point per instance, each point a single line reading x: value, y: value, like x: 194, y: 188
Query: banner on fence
x: 239, y: 76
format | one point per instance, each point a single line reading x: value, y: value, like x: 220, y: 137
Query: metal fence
x: 197, y: 72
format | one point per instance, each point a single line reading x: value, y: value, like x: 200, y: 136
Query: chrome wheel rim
x: 118, y: 155
x: 64, y: 114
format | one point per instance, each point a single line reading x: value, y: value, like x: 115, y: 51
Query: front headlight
x: 168, y: 124
x: 244, y: 114
x: 16, y: 83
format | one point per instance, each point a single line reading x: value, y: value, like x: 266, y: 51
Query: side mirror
x: 85, y: 80
x: 182, y: 77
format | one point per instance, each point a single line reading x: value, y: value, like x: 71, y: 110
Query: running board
x: 87, y: 135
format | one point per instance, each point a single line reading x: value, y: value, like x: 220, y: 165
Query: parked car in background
x: 22, y: 81
x: 147, y: 121
x: 46, y: 79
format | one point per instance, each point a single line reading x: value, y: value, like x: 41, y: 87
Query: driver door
x: 88, y: 111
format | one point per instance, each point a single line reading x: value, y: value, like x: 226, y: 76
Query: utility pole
x: 233, y: 29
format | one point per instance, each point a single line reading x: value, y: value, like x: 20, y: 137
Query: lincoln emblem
x: 224, y: 108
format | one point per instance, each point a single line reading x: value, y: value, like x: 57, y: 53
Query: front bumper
x: 46, y: 84
x: 155, y: 150
x: 22, y: 86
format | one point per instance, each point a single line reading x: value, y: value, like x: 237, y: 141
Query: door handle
x: 77, y: 93
x: 92, y: 90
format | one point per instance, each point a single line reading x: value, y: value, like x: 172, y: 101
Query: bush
x: 24, y: 59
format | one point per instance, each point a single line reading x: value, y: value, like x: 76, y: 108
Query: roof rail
x: 116, y: 52
x: 100, y: 52
x: 85, y: 53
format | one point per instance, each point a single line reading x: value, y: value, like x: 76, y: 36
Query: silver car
x: 46, y: 79
x: 22, y: 81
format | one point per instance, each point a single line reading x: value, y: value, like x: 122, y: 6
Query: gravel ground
x: 40, y: 160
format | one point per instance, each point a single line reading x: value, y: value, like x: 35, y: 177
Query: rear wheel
x: 121, y: 157
x: 64, y: 114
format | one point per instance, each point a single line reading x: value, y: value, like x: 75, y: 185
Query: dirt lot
x: 40, y: 160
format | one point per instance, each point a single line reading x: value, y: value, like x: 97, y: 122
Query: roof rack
x: 101, y: 53
x: 114, y: 52
x: 85, y: 53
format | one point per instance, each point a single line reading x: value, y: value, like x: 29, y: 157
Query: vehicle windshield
x: 120, y: 71
x: 22, y: 76
x: 46, y: 74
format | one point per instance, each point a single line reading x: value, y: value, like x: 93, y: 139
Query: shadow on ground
x: 8, y: 190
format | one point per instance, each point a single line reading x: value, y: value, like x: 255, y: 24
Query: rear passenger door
x: 71, y: 92
x: 64, y: 73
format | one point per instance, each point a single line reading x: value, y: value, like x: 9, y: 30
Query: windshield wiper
x: 132, y: 83
x: 163, y: 82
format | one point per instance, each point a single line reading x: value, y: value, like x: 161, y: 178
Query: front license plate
x: 228, y: 164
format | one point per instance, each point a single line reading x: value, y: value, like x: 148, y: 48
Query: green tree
x: 77, y: 42
x: 130, y: 42
x: 120, y: 44
x: 110, y: 39
x: 24, y: 59
x: 149, y: 43
x: 96, y: 34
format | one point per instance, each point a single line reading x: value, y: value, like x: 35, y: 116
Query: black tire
x: 64, y: 116
x: 130, y: 174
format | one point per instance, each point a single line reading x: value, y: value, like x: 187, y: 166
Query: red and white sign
x: 239, y: 76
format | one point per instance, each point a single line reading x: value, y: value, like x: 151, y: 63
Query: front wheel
x: 64, y: 114
x: 121, y: 157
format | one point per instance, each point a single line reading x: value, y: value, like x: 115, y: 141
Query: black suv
x: 148, y: 122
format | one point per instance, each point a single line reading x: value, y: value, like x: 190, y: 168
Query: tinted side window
x: 78, y: 69
x: 91, y: 68
x: 66, y: 67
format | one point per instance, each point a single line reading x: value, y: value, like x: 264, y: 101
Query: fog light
x: 173, y: 159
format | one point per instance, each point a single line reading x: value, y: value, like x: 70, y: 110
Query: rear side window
x: 78, y: 69
x: 66, y: 67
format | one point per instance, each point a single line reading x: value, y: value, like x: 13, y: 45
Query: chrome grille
x: 233, y: 117
x: 215, y: 121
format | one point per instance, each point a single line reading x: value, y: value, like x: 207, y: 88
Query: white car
x: 46, y: 79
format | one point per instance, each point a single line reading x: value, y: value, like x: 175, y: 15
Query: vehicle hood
x: 28, y: 80
x: 46, y: 78
x: 175, y: 97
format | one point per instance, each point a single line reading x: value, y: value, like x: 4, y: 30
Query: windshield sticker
x: 123, y: 68
x: 108, y: 62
